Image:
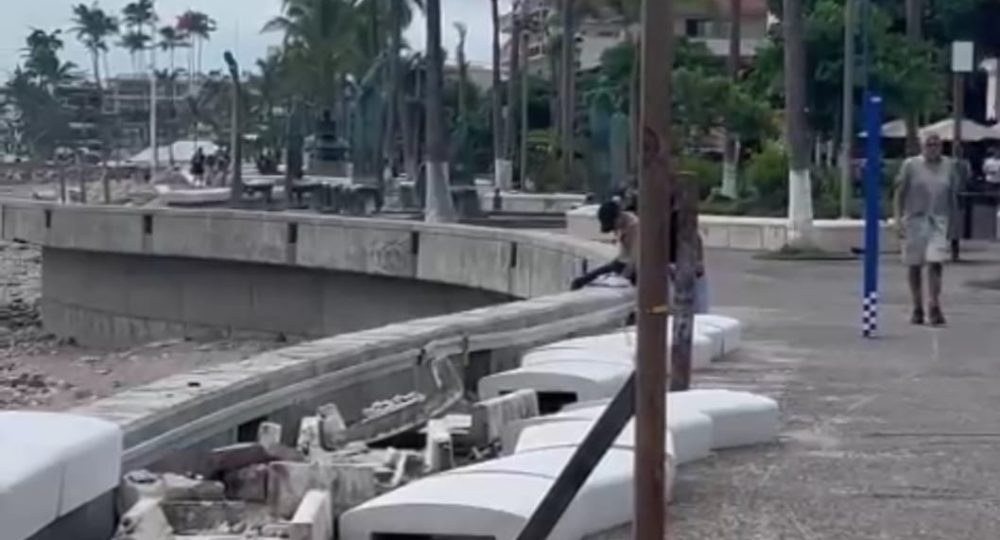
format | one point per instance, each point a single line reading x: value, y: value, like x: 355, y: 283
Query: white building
x: 707, y: 22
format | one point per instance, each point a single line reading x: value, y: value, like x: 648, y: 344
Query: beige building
x: 705, y: 21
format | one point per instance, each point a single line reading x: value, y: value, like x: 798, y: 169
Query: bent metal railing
x: 185, y: 409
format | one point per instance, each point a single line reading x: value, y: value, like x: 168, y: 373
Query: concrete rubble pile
x: 267, y: 490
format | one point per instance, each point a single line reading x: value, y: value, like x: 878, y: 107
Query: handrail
x: 475, y: 331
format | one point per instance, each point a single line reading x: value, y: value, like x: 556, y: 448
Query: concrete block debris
x: 332, y: 427
x: 247, y: 484
x: 195, y: 516
x: 310, y: 439
x: 489, y: 417
x: 269, y: 434
x: 438, y: 452
x: 142, y: 484
x: 313, y: 520
x: 237, y: 456
x: 145, y: 520
x: 388, y: 406
x: 288, y: 483
x: 182, y: 488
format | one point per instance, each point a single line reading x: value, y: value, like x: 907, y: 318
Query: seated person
x: 625, y: 225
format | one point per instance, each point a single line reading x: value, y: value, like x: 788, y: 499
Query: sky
x: 239, y: 24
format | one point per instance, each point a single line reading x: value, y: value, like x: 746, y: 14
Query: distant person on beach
x: 925, y: 206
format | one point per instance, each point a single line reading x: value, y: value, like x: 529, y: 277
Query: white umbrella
x: 971, y: 131
x: 183, y: 151
x: 895, y: 129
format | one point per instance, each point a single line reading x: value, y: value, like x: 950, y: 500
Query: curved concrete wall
x: 119, y: 275
x: 117, y: 299
x: 354, y: 369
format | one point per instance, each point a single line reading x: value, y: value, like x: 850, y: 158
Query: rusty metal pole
x: 654, y: 223
x: 685, y: 277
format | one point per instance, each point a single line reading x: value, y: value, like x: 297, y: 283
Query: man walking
x: 925, y: 204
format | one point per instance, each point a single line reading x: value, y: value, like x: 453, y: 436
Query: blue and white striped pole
x: 873, y: 198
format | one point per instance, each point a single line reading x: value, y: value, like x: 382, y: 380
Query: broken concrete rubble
x: 269, y: 435
x: 490, y: 416
x: 438, y: 453
x: 237, y: 456
x: 310, y: 440
x: 142, y: 484
x: 333, y: 428
x: 195, y: 516
x: 183, y: 488
x: 247, y: 484
x: 387, y: 406
x: 288, y: 483
x: 313, y: 520
x: 145, y: 520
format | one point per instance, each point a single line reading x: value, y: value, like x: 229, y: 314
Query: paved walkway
x: 897, y: 438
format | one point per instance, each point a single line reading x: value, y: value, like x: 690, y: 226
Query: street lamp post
x: 847, y: 135
x: 236, y: 140
x: 154, y: 163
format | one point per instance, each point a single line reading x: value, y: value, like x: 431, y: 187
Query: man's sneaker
x: 937, y: 318
x: 917, y: 317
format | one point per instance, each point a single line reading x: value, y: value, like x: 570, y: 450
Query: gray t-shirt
x: 928, y: 189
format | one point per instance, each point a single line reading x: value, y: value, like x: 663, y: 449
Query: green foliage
x: 707, y: 173
x: 705, y: 103
x: 767, y: 174
x: 910, y: 77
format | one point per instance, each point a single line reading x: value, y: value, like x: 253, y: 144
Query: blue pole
x: 873, y: 198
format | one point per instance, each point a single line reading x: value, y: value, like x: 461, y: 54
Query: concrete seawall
x: 117, y: 299
x: 119, y: 274
x: 124, y: 275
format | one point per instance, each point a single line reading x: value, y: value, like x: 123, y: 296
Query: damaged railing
x: 352, y: 369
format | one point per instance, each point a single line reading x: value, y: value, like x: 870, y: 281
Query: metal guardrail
x: 477, y: 335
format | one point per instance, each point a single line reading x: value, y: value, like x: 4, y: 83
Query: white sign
x: 962, y: 56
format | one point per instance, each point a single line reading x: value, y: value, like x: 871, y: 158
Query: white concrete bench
x: 690, y: 431
x: 737, y: 418
x: 559, y: 381
x: 620, y: 347
x: 730, y: 329
x: 52, y: 464
x: 494, y: 499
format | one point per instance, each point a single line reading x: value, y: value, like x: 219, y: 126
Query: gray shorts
x: 925, y: 240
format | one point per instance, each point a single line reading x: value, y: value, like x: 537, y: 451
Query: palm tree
x: 135, y: 42
x: 567, y: 101
x: 138, y: 16
x: 41, y: 59
x: 501, y: 166
x: 914, y: 31
x: 322, y: 34
x: 40, y: 119
x: 511, y: 125
x: 400, y: 15
x: 93, y: 27
x: 463, y: 70
x: 800, y: 210
x: 170, y: 41
x: 198, y: 27
x: 730, y: 165
x: 438, y: 206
